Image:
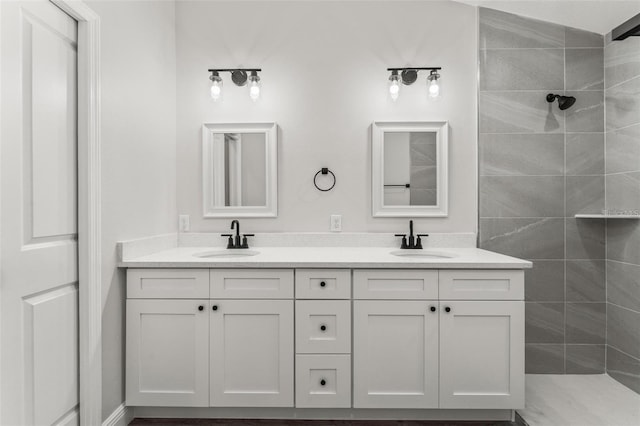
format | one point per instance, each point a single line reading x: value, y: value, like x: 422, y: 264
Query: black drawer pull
x: 323, y: 327
x: 214, y: 307
x: 323, y: 284
x: 201, y: 308
x: 447, y: 309
x: 323, y: 382
x: 432, y: 309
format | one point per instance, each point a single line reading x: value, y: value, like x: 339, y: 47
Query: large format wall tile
x: 586, y: 323
x: 622, y: 61
x: 623, y: 284
x: 505, y: 30
x: 585, y: 281
x: 623, y: 192
x: 521, y: 196
x: 585, y: 238
x: 544, y: 358
x: 519, y: 112
x: 623, y: 240
x: 525, y: 238
x: 522, y: 69
x: 580, y: 38
x: 544, y: 322
x: 623, y: 104
x: 585, y: 359
x: 545, y: 281
x: 521, y: 154
x: 584, y: 69
x: 585, y: 194
x: 587, y: 114
x: 585, y: 153
x: 623, y: 332
x: 623, y: 368
x: 623, y: 150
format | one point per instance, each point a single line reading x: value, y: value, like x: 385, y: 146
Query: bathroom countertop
x: 326, y: 257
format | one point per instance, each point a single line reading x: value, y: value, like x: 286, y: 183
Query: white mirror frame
x: 379, y: 128
x: 211, y: 164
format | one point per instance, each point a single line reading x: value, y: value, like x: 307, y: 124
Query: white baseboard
x: 121, y: 416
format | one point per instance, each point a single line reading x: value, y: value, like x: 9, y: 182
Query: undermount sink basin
x: 424, y: 254
x: 227, y: 253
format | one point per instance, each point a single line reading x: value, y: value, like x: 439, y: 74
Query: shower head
x: 564, y: 102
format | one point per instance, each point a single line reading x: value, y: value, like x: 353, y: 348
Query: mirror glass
x: 243, y: 174
x: 409, y: 170
x: 239, y: 170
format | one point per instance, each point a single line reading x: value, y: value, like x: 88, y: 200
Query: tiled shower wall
x: 622, y: 81
x: 538, y: 167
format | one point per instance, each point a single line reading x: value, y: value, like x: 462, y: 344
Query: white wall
x: 138, y: 153
x: 324, y: 82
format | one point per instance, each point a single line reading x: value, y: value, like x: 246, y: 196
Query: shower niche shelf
x: 607, y: 216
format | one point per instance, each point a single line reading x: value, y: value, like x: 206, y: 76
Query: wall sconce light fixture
x: 239, y: 77
x: 409, y: 76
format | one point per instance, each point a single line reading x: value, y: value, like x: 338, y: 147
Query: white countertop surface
x: 326, y: 257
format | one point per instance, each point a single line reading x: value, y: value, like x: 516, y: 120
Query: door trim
x: 89, y: 210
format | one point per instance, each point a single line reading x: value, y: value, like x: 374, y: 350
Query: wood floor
x: 247, y: 422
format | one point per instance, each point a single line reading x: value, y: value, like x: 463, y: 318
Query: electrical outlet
x: 336, y: 223
x: 184, y: 223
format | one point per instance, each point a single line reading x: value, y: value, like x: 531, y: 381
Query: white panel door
x: 39, y: 311
x: 395, y: 350
x: 251, y: 353
x: 481, y: 354
x: 168, y: 352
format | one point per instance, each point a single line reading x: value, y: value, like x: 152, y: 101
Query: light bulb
x: 216, y: 86
x: 254, y: 86
x: 394, y: 85
x: 433, y: 84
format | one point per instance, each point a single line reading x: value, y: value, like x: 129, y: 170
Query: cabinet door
x: 167, y: 353
x: 251, y: 353
x: 395, y: 349
x: 482, y: 354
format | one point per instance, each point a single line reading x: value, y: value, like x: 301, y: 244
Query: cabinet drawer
x: 323, y: 326
x: 168, y: 283
x: 395, y: 284
x: 323, y: 283
x: 481, y: 284
x: 323, y: 381
x: 252, y: 283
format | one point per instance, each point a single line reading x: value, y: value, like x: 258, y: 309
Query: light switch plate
x: 336, y: 223
x: 184, y: 223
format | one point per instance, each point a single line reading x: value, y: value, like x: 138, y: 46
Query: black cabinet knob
x: 323, y: 382
x: 432, y: 309
x: 323, y: 327
x: 323, y: 284
x: 447, y: 309
x: 201, y: 308
x: 214, y: 307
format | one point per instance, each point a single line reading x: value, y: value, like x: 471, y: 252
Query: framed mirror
x: 409, y: 169
x: 239, y: 170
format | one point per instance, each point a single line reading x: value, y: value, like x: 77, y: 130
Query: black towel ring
x: 324, y: 171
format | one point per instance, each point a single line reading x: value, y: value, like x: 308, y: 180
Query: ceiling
x: 599, y: 16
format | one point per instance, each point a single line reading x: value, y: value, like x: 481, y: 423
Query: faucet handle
x: 404, y: 240
x: 419, y: 241
x: 230, y: 242
x: 245, y: 244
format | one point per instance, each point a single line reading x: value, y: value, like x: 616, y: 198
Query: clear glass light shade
x: 434, y: 84
x: 216, y: 88
x: 394, y: 87
x: 254, y: 87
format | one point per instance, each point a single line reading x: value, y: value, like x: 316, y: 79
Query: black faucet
x: 237, y: 243
x: 414, y: 243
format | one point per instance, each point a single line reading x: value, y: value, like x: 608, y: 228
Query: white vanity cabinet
x: 348, y: 338
x: 439, y: 353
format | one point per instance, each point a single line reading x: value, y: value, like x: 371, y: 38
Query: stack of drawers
x: 323, y: 338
